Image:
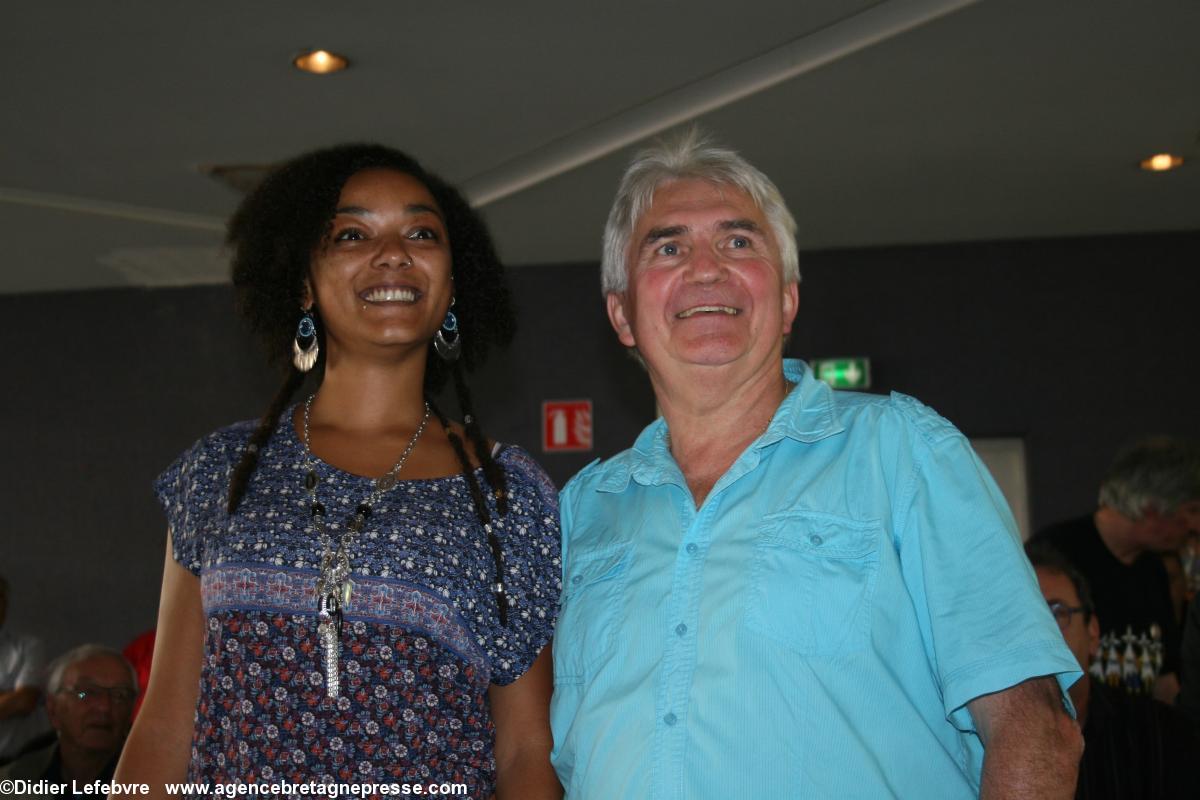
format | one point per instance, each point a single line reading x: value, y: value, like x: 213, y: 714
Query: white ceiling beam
x: 807, y: 53
x: 105, y: 208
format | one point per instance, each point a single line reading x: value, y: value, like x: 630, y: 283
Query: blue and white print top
x: 421, y: 637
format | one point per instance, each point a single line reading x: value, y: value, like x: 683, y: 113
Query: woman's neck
x: 365, y: 395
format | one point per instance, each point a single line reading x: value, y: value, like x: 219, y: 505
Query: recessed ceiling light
x: 320, y: 62
x: 242, y: 178
x: 1161, y: 162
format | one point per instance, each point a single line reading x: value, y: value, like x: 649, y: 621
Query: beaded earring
x: 305, y: 347
x: 447, y: 341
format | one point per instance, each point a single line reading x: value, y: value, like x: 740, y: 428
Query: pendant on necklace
x: 329, y: 623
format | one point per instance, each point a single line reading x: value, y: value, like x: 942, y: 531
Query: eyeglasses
x: 117, y: 695
x: 1063, y: 613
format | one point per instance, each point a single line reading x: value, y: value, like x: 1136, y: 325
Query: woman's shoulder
x: 202, y: 471
x: 223, y: 447
x: 516, y: 459
x: 523, y: 468
x: 230, y: 440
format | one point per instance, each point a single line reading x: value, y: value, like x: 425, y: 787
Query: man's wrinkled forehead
x: 100, y: 668
x: 699, y: 190
x: 721, y: 225
x: 682, y: 205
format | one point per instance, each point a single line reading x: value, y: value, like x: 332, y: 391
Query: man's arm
x: 19, y: 702
x: 1031, y: 745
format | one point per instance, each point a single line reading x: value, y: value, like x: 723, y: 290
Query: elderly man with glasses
x: 89, y: 699
x: 1135, y: 745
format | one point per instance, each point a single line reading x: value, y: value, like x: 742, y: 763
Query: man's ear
x: 1093, y: 635
x: 620, y: 321
x: 791, y: 304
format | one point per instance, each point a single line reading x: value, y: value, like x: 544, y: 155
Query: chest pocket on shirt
x: 591, y: 597
x: 812, y: 580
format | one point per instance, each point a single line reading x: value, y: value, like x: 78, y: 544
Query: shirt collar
x: 807, y: 414
x: 648, y: 462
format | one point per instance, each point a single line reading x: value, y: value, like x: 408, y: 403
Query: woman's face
x: 381, y: 277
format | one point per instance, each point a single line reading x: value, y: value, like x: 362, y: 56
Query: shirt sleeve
x: 193, y: 492
x: 33, y: 664
x: 985, y: 622
x: 530, y: 541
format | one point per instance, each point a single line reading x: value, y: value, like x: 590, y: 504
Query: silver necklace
x: 333, y: 583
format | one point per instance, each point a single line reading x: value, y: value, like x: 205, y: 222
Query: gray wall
x: 1075, y: 345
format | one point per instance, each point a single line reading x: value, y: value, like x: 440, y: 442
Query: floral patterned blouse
x: 421, y: 638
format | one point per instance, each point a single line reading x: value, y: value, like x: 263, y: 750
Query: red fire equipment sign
x: 566, y: 425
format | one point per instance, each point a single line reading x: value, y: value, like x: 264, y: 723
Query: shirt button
x: 577, y: 580
x: 681, y: 629
x: 815, y: 539
x: 670, y: 718
x: 691, y: 548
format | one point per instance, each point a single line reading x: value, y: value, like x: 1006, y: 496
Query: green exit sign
x: 844, y: 373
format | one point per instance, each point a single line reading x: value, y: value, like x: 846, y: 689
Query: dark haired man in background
x: 1135, y: 746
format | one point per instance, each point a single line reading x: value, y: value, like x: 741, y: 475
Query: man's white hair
x: 58, y: 667
x: 1157, y: 474
x: 689, y: 155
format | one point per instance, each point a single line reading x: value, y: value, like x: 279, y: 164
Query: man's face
x: 1162, y: 533
x: 705, y: 285
x: 1082, y: 636
x: 99, y: 722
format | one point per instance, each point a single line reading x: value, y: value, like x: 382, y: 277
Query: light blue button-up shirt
x: 814, y: 629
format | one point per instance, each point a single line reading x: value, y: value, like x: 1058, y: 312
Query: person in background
x: 1149, y: 500
x: 21, y: 663
x: 782, y: 590
x: 140, y: 653
x: 1134, y: 746
x: 89, y: 699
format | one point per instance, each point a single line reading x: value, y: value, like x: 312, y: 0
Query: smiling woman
x: 351, y: 593
x: 381, y: 276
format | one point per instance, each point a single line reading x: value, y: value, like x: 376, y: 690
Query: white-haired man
x: 89, y: 698
x: 781, y: 590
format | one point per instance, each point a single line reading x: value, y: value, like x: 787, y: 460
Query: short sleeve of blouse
x: 531, y: 542
x: 193, y: 492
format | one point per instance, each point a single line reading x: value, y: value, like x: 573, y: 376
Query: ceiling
x: 882, y: 122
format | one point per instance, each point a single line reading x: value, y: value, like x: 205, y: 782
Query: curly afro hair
x: 280, y: 224
x: 274, y: 233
